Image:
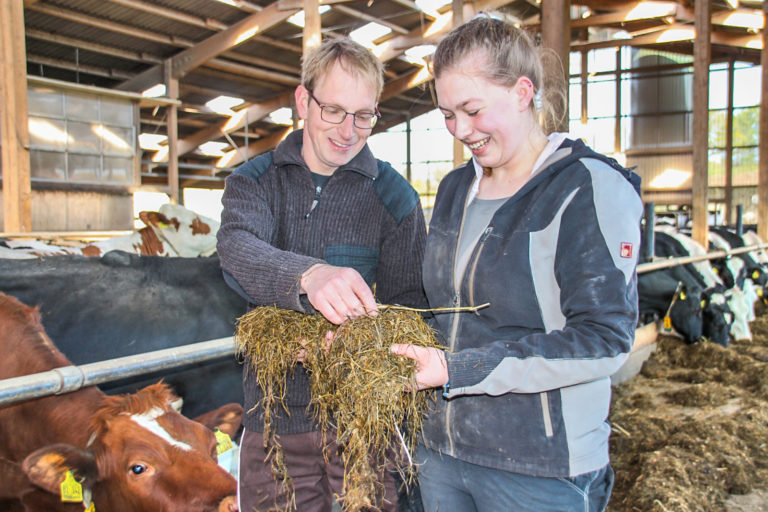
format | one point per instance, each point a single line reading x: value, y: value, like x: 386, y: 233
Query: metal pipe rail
x: 673, y: 262
x: 71, y: 378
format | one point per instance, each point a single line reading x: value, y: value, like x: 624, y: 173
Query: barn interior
x: 104, y: 99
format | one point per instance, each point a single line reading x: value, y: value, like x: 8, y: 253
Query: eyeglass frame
x: 374, y: 120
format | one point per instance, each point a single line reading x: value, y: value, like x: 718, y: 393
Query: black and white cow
x: 123, y: 304
x: 694, y: 283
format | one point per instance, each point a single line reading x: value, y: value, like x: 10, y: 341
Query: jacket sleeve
x: 398, y: 275
x: 584, y: 272
x: 261, y: 273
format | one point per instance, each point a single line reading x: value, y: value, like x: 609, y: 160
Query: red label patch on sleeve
x: 626, y: 250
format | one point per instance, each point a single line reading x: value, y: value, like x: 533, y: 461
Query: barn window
x: 81, y: 138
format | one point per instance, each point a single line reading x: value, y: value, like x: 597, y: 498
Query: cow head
x: 718, y: 317
x: 143, y: 455
x: 686, y: 315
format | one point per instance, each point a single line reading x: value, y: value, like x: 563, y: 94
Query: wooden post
x: 617, y: 125
x: 556, y: 35
x: 762, y: 187
x: 701, y: 57
x: 312, y: 33
x: 172, y: 126
x: 17, y: 188
x: 458, y: 19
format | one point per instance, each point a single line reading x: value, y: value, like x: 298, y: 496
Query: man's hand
x: 431, y: 368
x: 338, y: 293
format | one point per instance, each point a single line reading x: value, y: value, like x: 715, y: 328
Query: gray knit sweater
x: 366, y: 217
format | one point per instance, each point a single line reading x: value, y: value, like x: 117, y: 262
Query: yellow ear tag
x: 71, y: 490
x: 759, y: 292
x: 682, y: 295
x: 224, y: 442
x: 92, y: 508
x: 755, y: 274
x: 162, y: 225
x: 667, y: 323
x: 703, y: 303
x: 714, y: 269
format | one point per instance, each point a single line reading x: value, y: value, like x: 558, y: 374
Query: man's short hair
x: 353, y: 57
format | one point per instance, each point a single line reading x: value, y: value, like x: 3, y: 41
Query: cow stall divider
x: 71, y: 378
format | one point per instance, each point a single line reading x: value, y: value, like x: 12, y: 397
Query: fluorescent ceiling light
x: 431, y: 6
x: 366, y: 34
x: 212, y: 148
x: 298, y: 18
x: 282, y: 115
x: 151, y: 141
x: 155, y: 91
x: 416, y: 54
x: 224, y: 104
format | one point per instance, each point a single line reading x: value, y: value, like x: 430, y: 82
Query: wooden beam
x: 762, y: 186
x: 240, y: 155
x: 236, y: 34
x: 354, y: 13
x: 250, y: 114
x: 729, y: 217
x: 82, y: 68
x: 556, y: 35
x: 701, y: 58
x: 197, y: 54
x: 636, y: 12
x: 17, y: 188
x: 311, y: 33
x: 172, y: 130
x: 94, y: 47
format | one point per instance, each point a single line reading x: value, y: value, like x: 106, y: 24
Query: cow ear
x: 226, y: 418
x: 47, y: 467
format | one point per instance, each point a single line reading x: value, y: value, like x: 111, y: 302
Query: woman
x: 546, y: 231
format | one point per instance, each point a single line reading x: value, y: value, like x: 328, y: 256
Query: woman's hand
x: 431, y: 368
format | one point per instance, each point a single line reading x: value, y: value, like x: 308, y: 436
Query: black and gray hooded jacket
x: 529, y: 376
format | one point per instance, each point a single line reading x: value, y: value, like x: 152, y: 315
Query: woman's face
x: 492, y: 120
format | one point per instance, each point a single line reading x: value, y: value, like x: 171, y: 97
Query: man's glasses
x: 336, y: 115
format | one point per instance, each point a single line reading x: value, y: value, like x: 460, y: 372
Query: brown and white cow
x: 171, y: 231
x: 129, y: 452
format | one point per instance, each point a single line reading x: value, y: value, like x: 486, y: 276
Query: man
x: 312, y: 227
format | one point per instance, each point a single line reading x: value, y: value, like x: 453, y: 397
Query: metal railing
x: 71, y: 378
x: 673, y: 262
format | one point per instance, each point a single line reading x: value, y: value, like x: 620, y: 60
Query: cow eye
x: 138, y: 469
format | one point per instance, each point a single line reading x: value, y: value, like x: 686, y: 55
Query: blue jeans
x: 450, y: 485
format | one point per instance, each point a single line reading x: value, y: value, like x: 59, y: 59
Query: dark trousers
x: 315, y: 480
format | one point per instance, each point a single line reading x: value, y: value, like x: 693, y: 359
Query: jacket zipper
x: 318, y: 192
x: 455, y: 326
x: 480, y: 244
x: 545, y: 412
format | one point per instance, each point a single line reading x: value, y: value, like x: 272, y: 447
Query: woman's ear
x: 523, y: 91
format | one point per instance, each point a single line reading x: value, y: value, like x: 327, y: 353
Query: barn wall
x: 56, y: 210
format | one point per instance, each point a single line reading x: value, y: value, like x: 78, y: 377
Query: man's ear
x: 302, y: 101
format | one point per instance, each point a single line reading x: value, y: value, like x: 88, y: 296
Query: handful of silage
x: 357, y: 386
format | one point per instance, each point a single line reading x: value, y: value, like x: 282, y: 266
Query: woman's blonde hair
x: 510, y: 54
x: 353, y: 57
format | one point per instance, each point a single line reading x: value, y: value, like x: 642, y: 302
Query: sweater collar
x: 288, y: 152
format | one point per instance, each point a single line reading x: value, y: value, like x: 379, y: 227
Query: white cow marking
x: 148, y: 421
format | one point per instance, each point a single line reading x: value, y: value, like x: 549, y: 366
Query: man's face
x: 327, y: 146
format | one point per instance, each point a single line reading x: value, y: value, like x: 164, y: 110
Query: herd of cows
x: 125, y: 444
